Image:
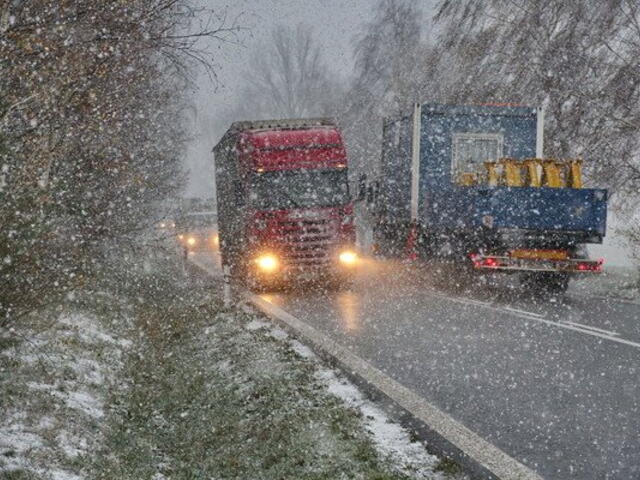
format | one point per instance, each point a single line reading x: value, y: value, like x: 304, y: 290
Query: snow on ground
x: 302, y: 350
x: 54, y: 377
x: 257, y: 324
x: 390, y: 438
x: 393, y: 441
x: 56, y: 374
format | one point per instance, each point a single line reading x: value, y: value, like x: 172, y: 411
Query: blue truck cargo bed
x: 578, y: 211
x: 419, y: 163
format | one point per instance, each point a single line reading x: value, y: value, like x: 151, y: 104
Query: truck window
x: 471, y: 150
x: 299, y: 189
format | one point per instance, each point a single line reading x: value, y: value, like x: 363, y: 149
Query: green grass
x: 449, y: 467
x: 19, y: 475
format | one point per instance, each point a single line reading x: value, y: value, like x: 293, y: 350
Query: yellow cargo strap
x: 551, y: 174
x: 512, y: 172
x: 531, y: 172
x: 533, y: 177
x: 493, y: 178
x: 574, y: 179
x: 467, y: 179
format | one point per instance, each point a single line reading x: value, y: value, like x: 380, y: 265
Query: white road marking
x: 475, y: 302
x: 524, y: 312
x: 538, y: 318
x: 589, y: 327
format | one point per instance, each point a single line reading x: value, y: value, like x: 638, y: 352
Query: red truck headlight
x: 267, y: 263
x: 348, y: 257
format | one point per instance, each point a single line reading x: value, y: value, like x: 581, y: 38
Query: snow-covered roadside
x: 55, y: 374
x: 393, y: 442
x: 176, y: 383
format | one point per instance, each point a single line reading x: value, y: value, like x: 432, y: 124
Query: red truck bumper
x: 511, y: 263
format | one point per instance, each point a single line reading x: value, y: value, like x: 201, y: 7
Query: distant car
x: 198, y: 231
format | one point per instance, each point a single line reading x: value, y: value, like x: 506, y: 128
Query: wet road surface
x: 554, y: 382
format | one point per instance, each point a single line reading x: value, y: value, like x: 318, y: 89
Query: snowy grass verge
x: 222, y: 394
x: 55, y: 373
x: 156, y: 380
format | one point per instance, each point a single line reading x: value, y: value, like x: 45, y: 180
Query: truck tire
x: 454, y: 276
x: 339, y: 282
x: 390, y: 240
x: 255, y: 285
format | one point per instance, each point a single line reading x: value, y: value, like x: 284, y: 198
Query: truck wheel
x: 455, y: 276
x: 390, y: 239
x: 465, y: 277
x: 255, y: 285
x: 258, y: 284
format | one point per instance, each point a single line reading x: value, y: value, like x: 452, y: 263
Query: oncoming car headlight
x: 348, y: 257
x: 267, y: 263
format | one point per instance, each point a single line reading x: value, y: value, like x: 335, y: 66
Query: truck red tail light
x: 479, y: 261
x: 490, y: 262
x: 590, y: 266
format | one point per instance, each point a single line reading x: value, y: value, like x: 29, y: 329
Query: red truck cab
x: 284, y: 208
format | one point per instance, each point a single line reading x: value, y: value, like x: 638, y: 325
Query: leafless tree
x: 578, y: 59
x: 389, y: 54
x: 286, y: 78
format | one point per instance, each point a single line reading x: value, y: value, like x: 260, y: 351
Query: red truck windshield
x: 299, y: 188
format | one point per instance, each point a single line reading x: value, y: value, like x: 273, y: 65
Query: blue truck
x: 470, y: 185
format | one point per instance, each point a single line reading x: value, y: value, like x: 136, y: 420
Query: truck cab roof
x: 256, y: 127
x: 273, y: 145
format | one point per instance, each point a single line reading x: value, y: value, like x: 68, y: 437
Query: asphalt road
x: 554, y: 382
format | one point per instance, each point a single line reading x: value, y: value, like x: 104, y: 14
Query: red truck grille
x: 308, y: 242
